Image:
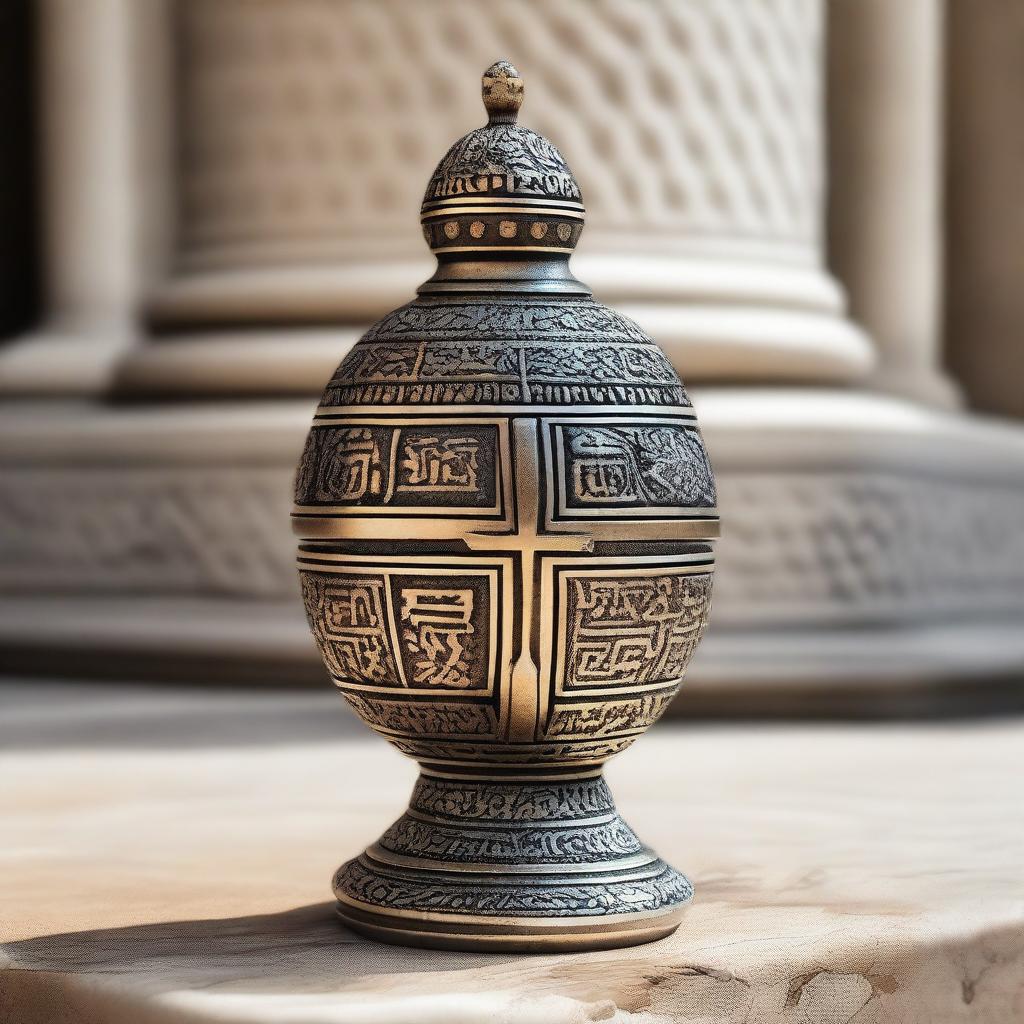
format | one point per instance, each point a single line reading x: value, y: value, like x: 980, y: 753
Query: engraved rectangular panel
x: 652, y: 469
x: 444, y: 630
x: 347, y: 465
x: 459, y: 362
x: 383, y: 363
x: 429, y: 628
x: 601, y: 364
x: 356, y: 631
x: 618, y: 639
x: 447, y: 465
x: 357, y: 468
x: 408, y: 718
x: 628, y: 630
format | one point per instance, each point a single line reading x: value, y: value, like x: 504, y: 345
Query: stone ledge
x: 169, y: 852
x: 849, y: 521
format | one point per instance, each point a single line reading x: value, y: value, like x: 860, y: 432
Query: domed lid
x: 502, y: 190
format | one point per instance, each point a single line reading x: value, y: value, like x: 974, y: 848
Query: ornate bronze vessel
x: 505, y: 509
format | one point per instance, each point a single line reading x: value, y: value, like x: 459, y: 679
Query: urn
x: 505, y: 510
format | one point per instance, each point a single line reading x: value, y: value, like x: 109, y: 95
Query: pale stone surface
x: 167, y: 855
x: 885, y: 241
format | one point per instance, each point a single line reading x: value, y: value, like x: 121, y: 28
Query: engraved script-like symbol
x: 432, y: 464
x: 631, y: 631
x: 435, y: 625
x: 598, y: 480
x: 659, y: 466
x: 355, y: 470
x: 602, y: 468
x: 356, y: 631
x: 352, y: 607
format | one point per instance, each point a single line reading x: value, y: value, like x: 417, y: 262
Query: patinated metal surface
x: 505, y: 509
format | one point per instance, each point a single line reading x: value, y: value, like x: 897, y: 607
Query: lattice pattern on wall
x: 314, y: 122
x: 798, y: 547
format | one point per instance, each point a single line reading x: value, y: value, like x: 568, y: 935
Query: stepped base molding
x: 763, y: 321
x: 867, y: 542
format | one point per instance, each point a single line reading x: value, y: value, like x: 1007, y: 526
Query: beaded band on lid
x: 502, y: 190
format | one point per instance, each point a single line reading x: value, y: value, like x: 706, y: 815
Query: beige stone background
x: 814, y: 206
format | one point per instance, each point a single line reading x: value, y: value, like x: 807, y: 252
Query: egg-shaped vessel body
x: 505, y: 508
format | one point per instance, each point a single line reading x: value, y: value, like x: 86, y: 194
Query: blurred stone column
x: 885, y: 74
x: 985, y: 207
x: 307, y: 126
x: 869, y: 541
x: 103, y: 126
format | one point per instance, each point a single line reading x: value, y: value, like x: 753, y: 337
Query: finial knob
x: 502, y: 88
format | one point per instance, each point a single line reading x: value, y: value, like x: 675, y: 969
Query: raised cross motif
x: 527, y: 542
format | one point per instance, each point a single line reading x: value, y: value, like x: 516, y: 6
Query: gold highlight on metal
x: 505, y: 510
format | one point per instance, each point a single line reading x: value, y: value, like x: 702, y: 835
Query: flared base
x: 513, y: 866
x: 512, y: 935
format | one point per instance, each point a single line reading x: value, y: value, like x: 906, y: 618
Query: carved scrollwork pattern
x: 509, y: 802
x: 359, y: 882
x: 609, y: 716
x: 572, y: 320
x: 632, y: 630
x: 636, y: 466
x: 506, y: 159
x: 422, y: 718
x: 431, y: 352
x: 522, y: 845
x: 499, y: 753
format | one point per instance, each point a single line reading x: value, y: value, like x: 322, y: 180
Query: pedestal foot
x: 513, y: 866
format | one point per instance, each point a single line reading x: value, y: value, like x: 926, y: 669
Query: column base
x: 868, y: 543
x: 517, y: 866
x: 64, y: 361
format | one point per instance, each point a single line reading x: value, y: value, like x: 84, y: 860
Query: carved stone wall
x: 305, y: 124
x: 164, y: 530
x: 695, y: 129
x: 823, y: 527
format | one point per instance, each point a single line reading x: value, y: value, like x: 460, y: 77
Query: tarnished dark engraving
x: 506, y: 510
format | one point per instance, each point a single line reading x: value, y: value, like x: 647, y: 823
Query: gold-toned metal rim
x: 384, y: 414
x: 487, y: 773
x: 492, y: 288
x: 509, y: 771
x: 571, y: 940
x: 532, y: 211
x: 456, y: 201
x: 520, y: 925
x: 308, y: 525
x: 484, y: 823
x: 686, y: 562
x: 558, y: 249
x: 445, y: 563
x: 487, y: 514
